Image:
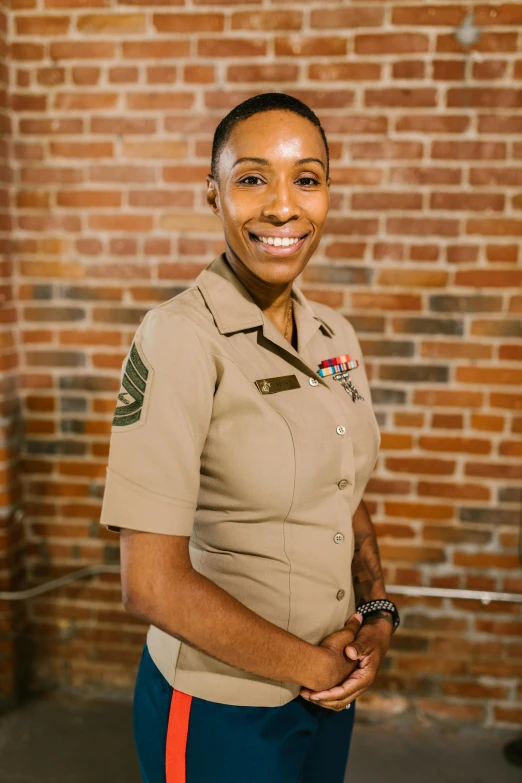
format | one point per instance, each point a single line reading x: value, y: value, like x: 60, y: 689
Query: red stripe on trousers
x: 177, y: 732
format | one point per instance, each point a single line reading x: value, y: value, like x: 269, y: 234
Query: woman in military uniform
x: 242, y: 441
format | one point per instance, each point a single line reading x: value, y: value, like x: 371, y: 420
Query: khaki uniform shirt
x: 224, y: 433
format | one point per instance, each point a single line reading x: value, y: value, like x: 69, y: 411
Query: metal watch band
x: 380, y: 605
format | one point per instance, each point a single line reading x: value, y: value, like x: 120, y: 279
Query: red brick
x: 355, y: 175
x: 510, y: 448
x: 331, y: 298
x: 494, y: 227
x: 409, y: 278
x: 489, y: 69
x: 489, y: 375
x: 448, y: 70
x: 151, y: 49
x: 345, y: 250
x: 344, y: 71
x: 511, y: 715
x: 503, y: 97
x: 266, y: 20
x: 511, y: 353
x: 496, y: 176
x: 412, y: 554
x: 421, y: 96
x: 486, y: 560
x: 385, y: 201
x: 419, y: 15
x: 262, y: 73
x: 395, y: 441
x: 452, y: 399
x: 409, y: 419
x: 440, y: 489
x: 488, y: 42
x: 468, y: 150
x: 391, y: 43
x: 349, y: 18
x: 302, y: 46
x: 42, y: 25
x: 424, y: 252
x: 199, y: 74
x: 420, y: 466
x: 231, y: 47
x: 417, y: 510
x: 89, y: 50
x: 188, y: 23
x: 347, y: 226
x: 452, y: 421
x: 444, y: 227
x: 386, y: 150
x: 408, y: 69
x: 448, y: 711
x: 432, y: 123
x: 492, y: 123
x: 388, y: 251
x: 379, y: 301
x: 425, y: 176
x: 454, y: 444
x: 498, y: 15
x: 457, y: 254
x: 467, y: 201
x: 120, y: 24
x: 456, y: 350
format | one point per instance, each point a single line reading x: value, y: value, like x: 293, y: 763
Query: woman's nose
x: 281, y: 203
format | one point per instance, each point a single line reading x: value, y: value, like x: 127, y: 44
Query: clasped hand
x: 365, y: 645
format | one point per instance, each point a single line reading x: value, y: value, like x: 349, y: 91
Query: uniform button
x: 338, y: 538
x: 313, y: 382
x: 341, y: 430
x: 342, y: 484
x: 340, y: 595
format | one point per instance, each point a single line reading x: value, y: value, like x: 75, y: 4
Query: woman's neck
x: 273, y: 300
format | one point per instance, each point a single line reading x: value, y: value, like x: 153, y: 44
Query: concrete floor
x: 68, y: 740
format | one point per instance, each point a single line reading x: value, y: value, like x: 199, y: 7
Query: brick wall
x: 11, y: 528
x: 113, y: 111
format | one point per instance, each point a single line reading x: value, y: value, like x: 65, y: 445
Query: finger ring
x: 347, y: 706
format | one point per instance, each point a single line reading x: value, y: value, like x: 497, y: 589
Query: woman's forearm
x: 201, y: 614
x: 368, y: 579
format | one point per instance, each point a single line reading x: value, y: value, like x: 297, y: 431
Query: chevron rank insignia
x: 133, y: 395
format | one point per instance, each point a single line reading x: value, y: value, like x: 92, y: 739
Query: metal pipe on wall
x: 484, y: 596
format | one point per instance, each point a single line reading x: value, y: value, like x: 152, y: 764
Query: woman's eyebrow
x: 310, y: 160
x: 265, y: 162
x: 259, y: 161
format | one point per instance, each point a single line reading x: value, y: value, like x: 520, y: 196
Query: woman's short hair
x: 267, y: 101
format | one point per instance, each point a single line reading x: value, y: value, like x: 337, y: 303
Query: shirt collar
x: 234, y: 309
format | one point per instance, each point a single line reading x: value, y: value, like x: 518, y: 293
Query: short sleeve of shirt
x: 159, y: 428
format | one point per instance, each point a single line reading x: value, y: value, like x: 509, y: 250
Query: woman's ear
x: 212, y: 194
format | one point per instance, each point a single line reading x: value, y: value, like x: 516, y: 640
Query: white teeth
x: 279, y: 241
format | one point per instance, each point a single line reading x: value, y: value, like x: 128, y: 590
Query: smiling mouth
x: 280, y: 246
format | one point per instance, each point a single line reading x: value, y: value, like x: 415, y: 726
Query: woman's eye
x: 307, y: 181
x: 251, y: 179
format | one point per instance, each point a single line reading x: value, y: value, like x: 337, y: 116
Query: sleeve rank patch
x: 133, y: 391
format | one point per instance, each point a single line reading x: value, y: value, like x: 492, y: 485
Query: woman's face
x: 272, y: 195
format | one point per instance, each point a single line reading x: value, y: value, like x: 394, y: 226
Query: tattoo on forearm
x: 367, y: 574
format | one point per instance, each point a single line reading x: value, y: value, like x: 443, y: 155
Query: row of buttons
x: 340, y: 429
x: 342, y: 484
